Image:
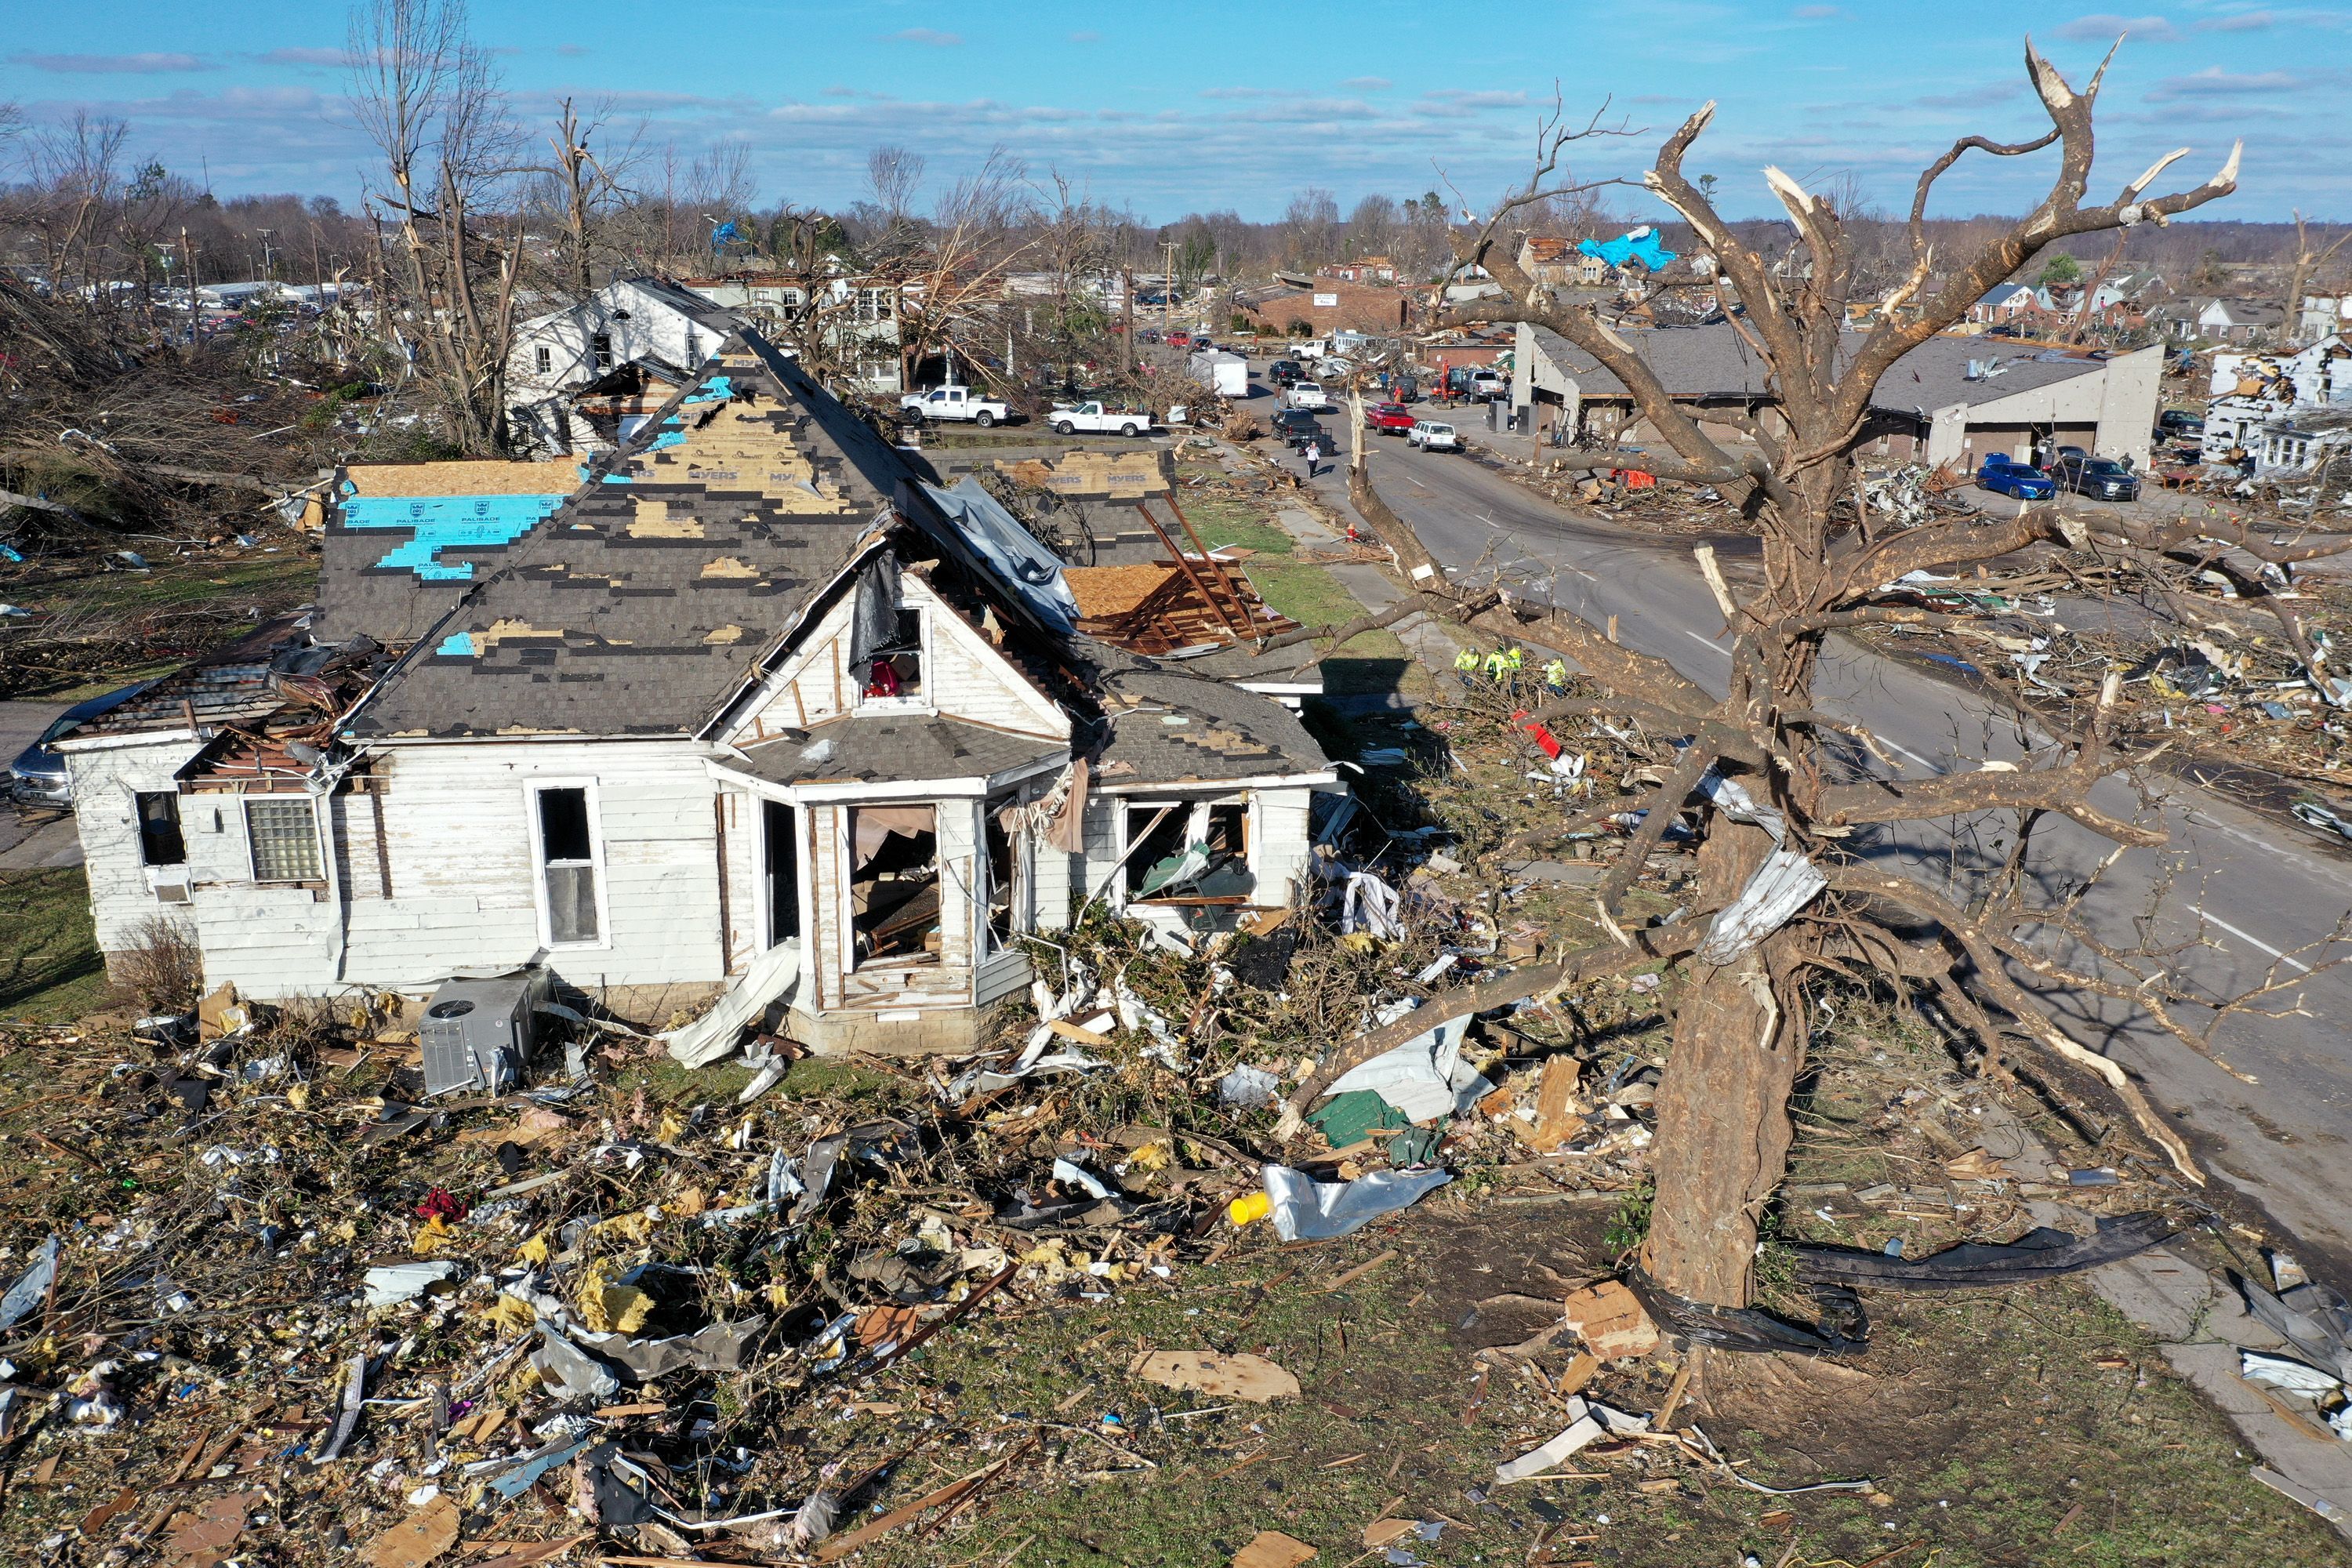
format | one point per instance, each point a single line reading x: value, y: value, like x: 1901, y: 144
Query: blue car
x: 2006, y: 475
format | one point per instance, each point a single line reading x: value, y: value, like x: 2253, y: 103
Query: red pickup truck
x: 1391, y: 419
x: 1180, y: 340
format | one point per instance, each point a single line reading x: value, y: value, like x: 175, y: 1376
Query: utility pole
x: 1127, y: 319
x: 188, y: 265
x: 1168, y: 291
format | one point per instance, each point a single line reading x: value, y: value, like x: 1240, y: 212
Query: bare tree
x: 1762, y: 772
x: 1310, y: 227
x: 2311, y: 256
x: 580, y: 191
x: 425, y: 94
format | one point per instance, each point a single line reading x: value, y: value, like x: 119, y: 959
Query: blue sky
x: 1219, y: 103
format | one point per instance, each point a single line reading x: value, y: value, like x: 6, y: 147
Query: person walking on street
x: 1313, y: 452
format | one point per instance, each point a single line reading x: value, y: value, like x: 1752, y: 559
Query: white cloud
x: 2215, y: 82
x: 112, y: 65
x: 337, y: 58
x: 2103, y: 25
x: 1369, y: 83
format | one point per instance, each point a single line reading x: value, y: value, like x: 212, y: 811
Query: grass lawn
x: 50, y: 971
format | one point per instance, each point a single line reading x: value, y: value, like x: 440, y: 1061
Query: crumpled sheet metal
x: 721, y: 1347
x: 2312, y: 1318
x: 32, y: 1287
x: 1784, y: 884
x: 1308, y: 1210
x: 2040, y: 1254
x: 770, y: 977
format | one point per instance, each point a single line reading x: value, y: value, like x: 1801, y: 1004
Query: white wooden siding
x: 963, y: 677
x: 106, y: 786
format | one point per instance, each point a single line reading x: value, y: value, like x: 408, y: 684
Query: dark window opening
x: 600, y: 346
x: 1004, y: 873
x: 160, y: 843
x: 567, y: 853
x: 1189, y: 853
x: 782, y: 837
x: 899, y: 664
x: 894, y: 885
x: 543, y: 359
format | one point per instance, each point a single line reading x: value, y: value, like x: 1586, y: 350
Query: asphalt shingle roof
x: 896, y: 746
x: 636, y: 605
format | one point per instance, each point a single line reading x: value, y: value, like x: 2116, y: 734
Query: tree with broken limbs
x: 1781, y: 838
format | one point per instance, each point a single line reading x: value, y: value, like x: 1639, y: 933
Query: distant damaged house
x: 747, y: 704
x: 632, y: 333
x: 1951, y: 399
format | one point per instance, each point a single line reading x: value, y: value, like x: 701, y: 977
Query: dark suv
x: 1283, y: 371
x: 2100, y: 477
x: 1296, y: 426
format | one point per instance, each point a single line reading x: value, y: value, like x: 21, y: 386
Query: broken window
x: 897, y: 661
x: 782, y: 871
x: 894, y: 885
x: 160, y: 843
x: 1189, y: 851
x: 600, y: 348
x: 543, y: 359
x: 283, y: 834
x: 1007, y: 880
x: 568, y: 866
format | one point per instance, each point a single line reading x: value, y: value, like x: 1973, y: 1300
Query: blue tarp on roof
x: 443, y: 522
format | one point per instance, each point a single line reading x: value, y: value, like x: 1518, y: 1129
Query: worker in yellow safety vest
x: 1555, y: 675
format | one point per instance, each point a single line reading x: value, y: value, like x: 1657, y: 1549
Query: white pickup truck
x: 1096, y: 419
x: 953, y: 403
x: 1308, y: 394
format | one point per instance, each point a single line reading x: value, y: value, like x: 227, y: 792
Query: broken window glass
x: 160, y: 843
x: 568, y: 860
x: 284, y: 838
x: 894, y: 885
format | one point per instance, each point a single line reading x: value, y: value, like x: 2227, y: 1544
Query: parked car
x: 1296, y: 425
x: 2100, y: 477
x: 1486, y: 383
x: 1308, y: 394
x: 1147, y: 335
x: 2178, y: 423
x: 2004, y: 475
x: 1431, y: 437
x: 1180, y: 340
x: 1098, y: 419
x: 1283, y: 371
x: 955, y: 403
x: 38, y: 776
x: 1391, y: 419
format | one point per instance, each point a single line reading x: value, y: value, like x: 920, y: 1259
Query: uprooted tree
x: 1779, y: 788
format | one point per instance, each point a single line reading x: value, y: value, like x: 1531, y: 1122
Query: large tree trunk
x: 1723, y: 1104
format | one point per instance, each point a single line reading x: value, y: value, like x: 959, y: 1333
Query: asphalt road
x: 35, y: 839
x: 2264, y: 899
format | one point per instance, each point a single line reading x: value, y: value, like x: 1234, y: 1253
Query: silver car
x: 1433, y: 437
x: 38, y: 776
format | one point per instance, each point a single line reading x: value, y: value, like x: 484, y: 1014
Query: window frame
x: 542, y: 359
x: 1022, y: 904
x: 1196, y: 822
x: 534, y: 827
x: 252, y: 860
x: 139, y: 799
x: 925, y: 700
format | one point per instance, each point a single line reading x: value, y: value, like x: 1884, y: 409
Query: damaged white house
x: 752, y: 685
